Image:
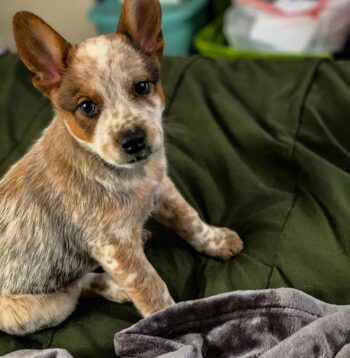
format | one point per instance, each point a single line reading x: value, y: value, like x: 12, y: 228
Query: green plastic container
x: 210, y: 42
x: 180, y: 22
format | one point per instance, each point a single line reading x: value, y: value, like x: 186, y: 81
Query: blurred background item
x: 278, y: 29
x: 181, y: 20
x: 224, y: 29
x: 3, y: 51
x: 68, y: 17
x: 288, y: 26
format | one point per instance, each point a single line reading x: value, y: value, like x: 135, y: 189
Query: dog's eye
x: 89, y: 108
x: 142, y: 88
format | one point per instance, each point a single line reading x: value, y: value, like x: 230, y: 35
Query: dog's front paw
x: 221, y: 243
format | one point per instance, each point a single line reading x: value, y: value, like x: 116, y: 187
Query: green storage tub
x: 211, y: 42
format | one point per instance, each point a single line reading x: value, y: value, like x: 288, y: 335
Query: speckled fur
x: 74, y: 202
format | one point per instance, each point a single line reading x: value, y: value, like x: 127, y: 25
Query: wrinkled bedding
x: 244, y: 324
x: 46, y: 353
x: 259, y: 146
x: 268, y: 324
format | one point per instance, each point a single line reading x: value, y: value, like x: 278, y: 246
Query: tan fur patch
x: 25, y: 314
x: 79, y: 130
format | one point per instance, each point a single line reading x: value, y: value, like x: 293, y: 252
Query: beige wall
x: 68, y: 17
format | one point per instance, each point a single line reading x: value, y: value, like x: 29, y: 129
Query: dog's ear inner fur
x: 42, y: 50
x: 140, y: 21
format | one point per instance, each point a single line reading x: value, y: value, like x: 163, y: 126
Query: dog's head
x: 106, y: 89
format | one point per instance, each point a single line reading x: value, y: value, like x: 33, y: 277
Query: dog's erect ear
x: 42, y: 50
x: 141, y: 22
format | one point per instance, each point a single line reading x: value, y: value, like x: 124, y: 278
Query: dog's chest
x: 136, y: 198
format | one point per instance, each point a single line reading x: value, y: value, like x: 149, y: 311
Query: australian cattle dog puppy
x: 79, y: 198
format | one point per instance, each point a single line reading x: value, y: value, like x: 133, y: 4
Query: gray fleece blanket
x: 268, y: 324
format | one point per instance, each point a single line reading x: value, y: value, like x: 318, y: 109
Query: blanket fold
x: 268, y: 323
x: 46, y: 353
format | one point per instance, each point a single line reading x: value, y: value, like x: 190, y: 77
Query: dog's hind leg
x: 24, y: 314
x: 102, y: 284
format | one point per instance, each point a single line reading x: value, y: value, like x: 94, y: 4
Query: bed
x: 259, y: 146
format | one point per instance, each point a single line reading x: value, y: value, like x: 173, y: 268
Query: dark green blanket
x: 262, y: 147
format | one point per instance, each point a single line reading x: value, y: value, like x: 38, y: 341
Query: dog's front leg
x: 124, y: 260
x: 173, y: 211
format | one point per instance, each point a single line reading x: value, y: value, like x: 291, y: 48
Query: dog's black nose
x: 133, y: 141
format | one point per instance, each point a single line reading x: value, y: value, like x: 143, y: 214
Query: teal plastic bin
x: 180, y: 22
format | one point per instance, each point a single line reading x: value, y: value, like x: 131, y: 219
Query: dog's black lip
x: 114, y: 168
x: 140, y: 157
x: 138, y: 160
x: 109, y: 166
